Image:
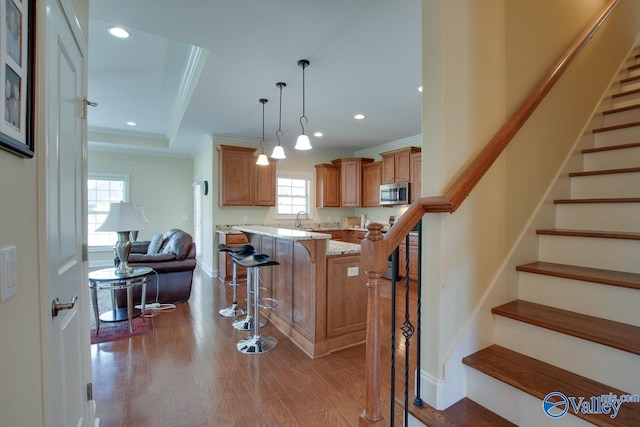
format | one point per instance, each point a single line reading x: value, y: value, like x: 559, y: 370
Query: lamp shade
x: 278, y: 152
x: 303, y: 143
x: 122, y: 217
x: 262, y: 160
x: 140, y: 213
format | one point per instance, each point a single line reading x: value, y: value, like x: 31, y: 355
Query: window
x: 101, y: 191
x: 294, y: 194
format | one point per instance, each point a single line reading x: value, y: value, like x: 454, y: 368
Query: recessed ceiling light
x: 359, y: 116
x: 318, y: 134
x: 420, y: 89
x: 131, y: 123
x: 119, y: 32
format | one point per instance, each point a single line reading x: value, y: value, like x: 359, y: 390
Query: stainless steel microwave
x: 394, y: 194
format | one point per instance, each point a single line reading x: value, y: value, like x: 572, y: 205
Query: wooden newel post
x: 374, y: 259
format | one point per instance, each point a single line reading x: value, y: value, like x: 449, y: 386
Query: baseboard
x: 208, y: 270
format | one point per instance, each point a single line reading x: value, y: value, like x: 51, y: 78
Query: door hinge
x: 85, y: 103
x: 90, y: 391
x: 85, y: 252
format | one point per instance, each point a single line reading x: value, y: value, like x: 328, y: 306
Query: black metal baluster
x: 394, y: 274
x: 418, y: 400
x: 407, y: 332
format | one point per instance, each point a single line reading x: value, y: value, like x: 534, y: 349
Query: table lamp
x: 122, y: 218
x: 142, y: 217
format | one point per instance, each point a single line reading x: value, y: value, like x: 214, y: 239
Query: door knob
x: 56, y: 306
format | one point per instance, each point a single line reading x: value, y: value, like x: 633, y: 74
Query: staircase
x: 575, y: 328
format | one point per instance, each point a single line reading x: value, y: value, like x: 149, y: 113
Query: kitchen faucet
x: 298, y: 222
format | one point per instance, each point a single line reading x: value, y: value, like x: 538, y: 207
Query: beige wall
x: 480, y: 61
x: 162, y: 185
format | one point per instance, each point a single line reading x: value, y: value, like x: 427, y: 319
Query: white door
x: 70, y: 359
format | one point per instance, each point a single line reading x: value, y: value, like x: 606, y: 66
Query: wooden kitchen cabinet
x: 356, y: 236
x: 396, y: 165
x: 327, y: 186
x: 413, y: 259
x: 371, y: 180
x: 416, y: 176
x: 351, y: 180
x: 241, y: 181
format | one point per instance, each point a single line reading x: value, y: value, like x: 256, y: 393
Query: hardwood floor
x: 189, y: 373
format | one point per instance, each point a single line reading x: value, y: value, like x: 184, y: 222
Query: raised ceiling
x: 195, y: 68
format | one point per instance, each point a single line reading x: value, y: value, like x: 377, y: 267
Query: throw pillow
x: 178, y: 244
x: 155, y: 244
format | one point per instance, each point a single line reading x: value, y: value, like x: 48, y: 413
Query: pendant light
x: 262, y: 158
x: 303, y: 142
x: 278, y: 151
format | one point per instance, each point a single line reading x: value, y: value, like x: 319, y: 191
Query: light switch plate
x: 8, y: 273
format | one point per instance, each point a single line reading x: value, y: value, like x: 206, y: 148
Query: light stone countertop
x: 281, y: 233
x: 342, y: 248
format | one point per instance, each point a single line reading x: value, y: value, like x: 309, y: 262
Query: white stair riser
x: 625, y: 100
x: 612, y: 159
x: 594, y: 299
x: 516, y: 406
x: 617, y: 136
x: 599, y: 216
x: 592, y: 360
x: 606, y: 186
x: 608, y: 254
x: 622, y: 117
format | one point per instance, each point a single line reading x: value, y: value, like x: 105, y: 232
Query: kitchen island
x: 319, y: 285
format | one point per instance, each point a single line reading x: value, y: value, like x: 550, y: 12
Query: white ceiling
x: 193, y: 68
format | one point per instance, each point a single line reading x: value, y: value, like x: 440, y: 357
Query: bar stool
x: 234, y: 310
x: 257, y: 344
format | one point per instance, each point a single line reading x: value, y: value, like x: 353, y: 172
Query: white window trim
x: 110, y: 176
x: 297, y: 175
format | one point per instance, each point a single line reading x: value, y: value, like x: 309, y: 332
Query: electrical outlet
x: 352, y: 271
x: 8, y: 273
x: 328, y: 218
x: 245, y: 219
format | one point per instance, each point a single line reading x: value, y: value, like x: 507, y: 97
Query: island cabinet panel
x: 283, y: 279
x: 322, y: 300
x: 346, y: 291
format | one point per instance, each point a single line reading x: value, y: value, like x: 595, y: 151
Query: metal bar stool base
x: 233, y: 310
x: 247, y: 324
x: 257, y: 344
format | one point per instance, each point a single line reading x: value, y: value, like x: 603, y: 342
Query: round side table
x: 107, y: 279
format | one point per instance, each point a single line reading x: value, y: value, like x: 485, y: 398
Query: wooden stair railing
x: 376, y: 247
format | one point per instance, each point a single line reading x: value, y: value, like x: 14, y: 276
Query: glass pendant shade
x: 278, y: 152
x: 303, y: 143
x: 262, y: 160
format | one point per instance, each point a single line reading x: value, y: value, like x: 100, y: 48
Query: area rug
x: 111, y: 331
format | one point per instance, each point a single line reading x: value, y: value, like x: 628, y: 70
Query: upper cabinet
x: 351, y: 180
x: 241, y: 181
x: 371, y: 180
x: 396, y: 165
x: 327, y: 186
x: 416, y: 176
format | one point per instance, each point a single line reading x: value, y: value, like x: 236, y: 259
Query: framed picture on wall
x: 16, y: 74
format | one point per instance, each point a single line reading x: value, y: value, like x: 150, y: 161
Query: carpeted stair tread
x: 538, y: 379
x: 586, y: 274
x: 463, y: 413
x: 617, y: 335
